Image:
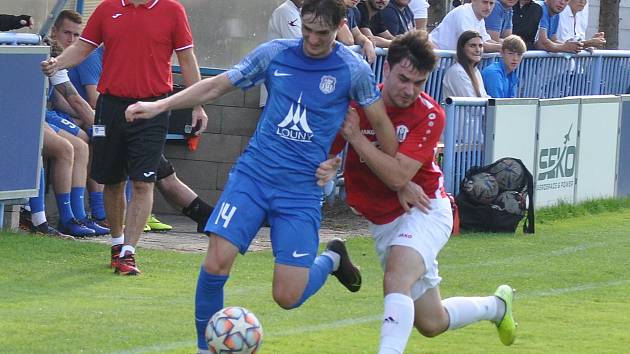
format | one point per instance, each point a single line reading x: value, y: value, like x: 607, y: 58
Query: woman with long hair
x: 463, y: 78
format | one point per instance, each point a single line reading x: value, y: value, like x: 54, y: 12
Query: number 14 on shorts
x: 225, y: 214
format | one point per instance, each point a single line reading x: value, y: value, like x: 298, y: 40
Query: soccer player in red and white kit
x: 404, y: 200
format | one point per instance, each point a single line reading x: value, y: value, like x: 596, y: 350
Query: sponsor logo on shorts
x: 299, y: 255
x: 405, y: 235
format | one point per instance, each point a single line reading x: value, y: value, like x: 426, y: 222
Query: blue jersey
x: 88, y: 72
x: 308, y: 100
x: 548, y: 21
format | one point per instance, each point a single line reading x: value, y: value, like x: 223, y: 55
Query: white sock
x: 334, y: 256
x: 397, y: 323
x: 126, y: 248
x: 118, y: 240
x: 463, y: 311
x: 38, y: 218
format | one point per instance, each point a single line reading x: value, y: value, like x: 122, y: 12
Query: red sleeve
x: 93, y: 31
x: 423, y: 139
x: 182, y: 35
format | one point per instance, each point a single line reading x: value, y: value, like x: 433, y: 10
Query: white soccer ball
x: 234, y: 330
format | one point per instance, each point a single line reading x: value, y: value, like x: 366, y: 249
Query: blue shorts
x: 62, y: 121
x: 294, y: 219
x: 53, y: 127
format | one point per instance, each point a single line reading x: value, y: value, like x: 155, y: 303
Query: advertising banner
x: 22, y: 102
x: 556, y: 152
x: 511, y: 130
x: 623, y: 172
x: 597, y: 148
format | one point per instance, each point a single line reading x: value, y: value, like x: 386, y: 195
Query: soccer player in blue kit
x: 310, y: 82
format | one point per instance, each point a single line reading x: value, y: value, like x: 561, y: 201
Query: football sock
x: 127, y: 248
x: 198, y: 210
x: 334, y: 257
x: 397, y: 323
x: 208, y: 300
x: 65, y: 210
x: 463, y: 311
x: 37, y: 203
x: 97, y: 205
x: 317, y: 275
x: 77, y: 202
x: 38, y: 218
x: 118, y: 240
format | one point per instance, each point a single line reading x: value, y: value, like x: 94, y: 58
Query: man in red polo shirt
x: 139, y: 37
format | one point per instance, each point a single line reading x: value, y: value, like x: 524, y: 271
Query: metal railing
x: 544, y: 75
x: 464, y: 138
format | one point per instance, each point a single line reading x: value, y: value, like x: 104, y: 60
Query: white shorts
x: 425, y: 233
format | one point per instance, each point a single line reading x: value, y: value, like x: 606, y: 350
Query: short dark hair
x: 332, y: 12
x: 71, y: 15
x: 414, y: 46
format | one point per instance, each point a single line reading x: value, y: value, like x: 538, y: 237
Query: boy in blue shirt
x: 499, y: 23
x: 500, y: 78
x: 310, y: 82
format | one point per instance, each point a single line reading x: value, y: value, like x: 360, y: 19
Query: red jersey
x: 418, y: 128
x: 139, y: 42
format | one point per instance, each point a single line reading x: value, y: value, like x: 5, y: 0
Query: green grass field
x: 571, y: 278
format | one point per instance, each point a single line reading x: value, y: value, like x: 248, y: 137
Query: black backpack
x: 482, y: 210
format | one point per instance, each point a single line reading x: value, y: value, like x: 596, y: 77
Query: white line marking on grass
x: 512, y: 260
x: 375, y: 318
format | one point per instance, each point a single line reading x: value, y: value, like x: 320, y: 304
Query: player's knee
x: 64, y: 151
x: 287, y: 298
x: 216, y: 265
x: 431, y: 327
x: 397, y: 282
x: 142, y: 187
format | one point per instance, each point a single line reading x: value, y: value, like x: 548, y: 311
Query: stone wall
x: 232, y: 120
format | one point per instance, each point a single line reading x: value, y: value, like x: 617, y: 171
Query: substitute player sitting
x: 383, y: 188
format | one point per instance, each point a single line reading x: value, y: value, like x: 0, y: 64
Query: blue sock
x: 37, y: 203
x: 317, y: 275
x: 77, y: 202
x: 208, y: 300
x: 128, y: 190
x: 63, y: 205
x: 97, y: 205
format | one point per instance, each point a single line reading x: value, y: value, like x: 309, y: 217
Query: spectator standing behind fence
x: 285, y: 21
x: 525, y: 21
x: 463, y: 78
x: 371, y: 23
x: 547, y: 35
x: 420, y: 10
x: 11, y: 22
x: 499, y: 23
x: 398, y: 18
x: 136, y: 65
x: 464, y: 18
x: 500, y: 78
x: 573, y: 23
x: 349, y: 33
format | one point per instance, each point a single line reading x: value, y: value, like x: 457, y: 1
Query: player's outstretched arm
x: 197, y: 94
x: 383, y: 127
x: 71, y: 56
x: 327, y: 170
x: 395, y: 172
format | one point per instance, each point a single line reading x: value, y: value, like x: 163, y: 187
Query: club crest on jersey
x: 327, y: 84
x: 401, y: 133
x: 294, y: 126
